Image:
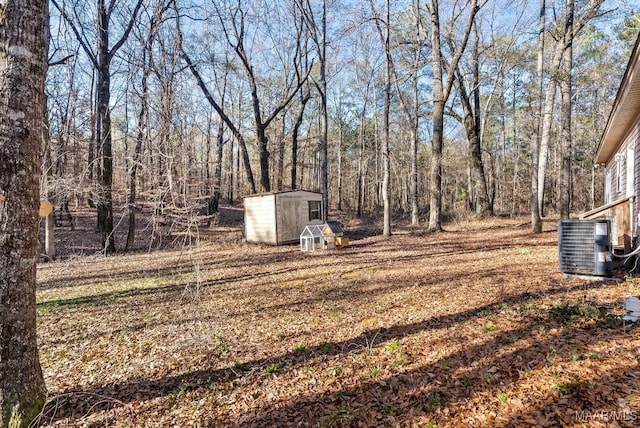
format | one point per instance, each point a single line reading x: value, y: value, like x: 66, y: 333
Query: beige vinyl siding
x: 634, y: 142
x: 619, y: 172
x: 629, y: 151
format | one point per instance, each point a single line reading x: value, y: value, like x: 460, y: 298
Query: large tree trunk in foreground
x: 23, y: 65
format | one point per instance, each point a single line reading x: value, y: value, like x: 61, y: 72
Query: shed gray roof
x: 282, y: 192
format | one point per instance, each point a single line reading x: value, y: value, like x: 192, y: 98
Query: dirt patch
x: 474, y: 326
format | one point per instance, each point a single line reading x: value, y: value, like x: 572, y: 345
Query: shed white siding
x: 279, y: 218
x: 260, y: 218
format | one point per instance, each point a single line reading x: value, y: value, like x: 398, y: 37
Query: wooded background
x: 423, y: 109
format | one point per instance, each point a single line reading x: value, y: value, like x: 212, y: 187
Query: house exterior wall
x: 628, y: 151
x: 622, y: 183
x: 621, y: 139
x: 635, y: 143
x: 279, y: 218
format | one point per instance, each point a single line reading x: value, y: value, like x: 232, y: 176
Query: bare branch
x: 125, y: 35
x: 61, y: 61
x: 78, y: 34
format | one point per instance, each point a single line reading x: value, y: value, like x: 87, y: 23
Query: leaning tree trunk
x: 471, y: 121
x: 23, y: 66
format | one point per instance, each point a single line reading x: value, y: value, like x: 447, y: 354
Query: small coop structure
x: 325, y: 236
x: 277, y: 218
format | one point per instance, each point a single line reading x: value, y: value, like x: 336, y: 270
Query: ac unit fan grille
x: 582, y: 245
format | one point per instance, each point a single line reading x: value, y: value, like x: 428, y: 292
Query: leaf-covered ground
x: 472, y: 327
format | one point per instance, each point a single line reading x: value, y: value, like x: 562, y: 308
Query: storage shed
x: 279, y: 218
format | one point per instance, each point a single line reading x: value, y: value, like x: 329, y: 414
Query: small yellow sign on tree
x: 45, y: 209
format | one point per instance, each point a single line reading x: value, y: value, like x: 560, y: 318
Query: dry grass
x: 471, y: 327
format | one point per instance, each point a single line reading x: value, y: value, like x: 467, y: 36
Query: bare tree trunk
x: 360, y: 184
x: 340, y: 143
x: 545, y: 137
x: 246, y: 162
x: 137, y: 155
x: 49, y: 222
x: 562, y: 43
x: 263, y: 141
x: 104, y: 153
x: 91, y: 149
x: 214, y: 200
x: 484, y: 205
x: 386, y: 163
x: 101, y: 61
x: 536, y: 221
x: 414, y: 142
x: 384, y: 147
x: 319, y: 35
x: 281, y: 153
x: 147, y: 65
x: 435, y: 211
x: 413, y: 115
x: 23, y: 67
x: 441, y: 92
x: 564, y: 188
x: 413, y: 182
x: 305, y: 96
x: 231, y: 177
x: 324, y: 130
x: 478, y: 195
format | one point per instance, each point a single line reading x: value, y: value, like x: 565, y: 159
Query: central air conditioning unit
x: 584, y: 247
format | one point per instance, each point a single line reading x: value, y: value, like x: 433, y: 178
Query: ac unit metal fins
x: 584, y: 247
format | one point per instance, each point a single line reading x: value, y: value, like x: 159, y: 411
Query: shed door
x: 290, y: 224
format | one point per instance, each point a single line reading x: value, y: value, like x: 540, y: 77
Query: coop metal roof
x: 335, y: 226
